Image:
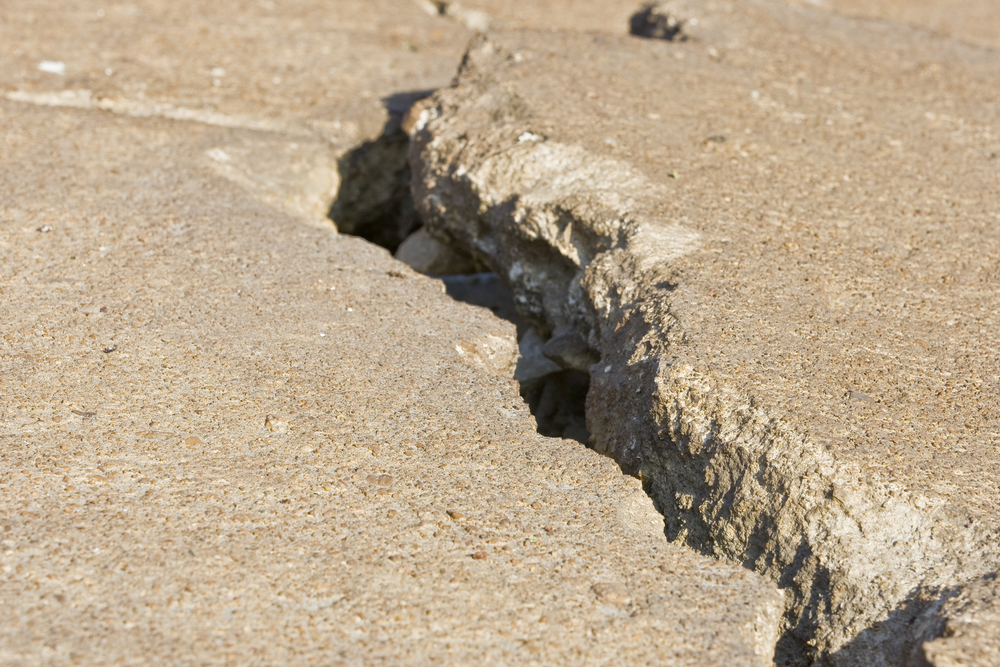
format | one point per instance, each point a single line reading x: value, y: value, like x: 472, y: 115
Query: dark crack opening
x: 375, y: 203
x: 374, y: 200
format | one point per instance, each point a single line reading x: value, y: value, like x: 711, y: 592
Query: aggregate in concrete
x: 230, y: 436
x: 779, y: 237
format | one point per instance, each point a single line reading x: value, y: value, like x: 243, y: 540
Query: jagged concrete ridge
x: 509, y: 164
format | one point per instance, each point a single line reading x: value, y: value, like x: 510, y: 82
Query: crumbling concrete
x: 780, y: 250
x: 970, y: 633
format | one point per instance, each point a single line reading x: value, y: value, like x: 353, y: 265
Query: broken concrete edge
x: 372, y: 200
x: 862, y: 561
x: 300, y: 267
x: 967, y: 630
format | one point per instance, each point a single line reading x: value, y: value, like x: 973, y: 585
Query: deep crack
x: 374, y: 202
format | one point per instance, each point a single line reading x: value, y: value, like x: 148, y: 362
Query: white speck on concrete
x: 52, y: 66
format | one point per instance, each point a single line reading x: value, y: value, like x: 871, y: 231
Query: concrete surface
x: 974, y: 21
x: 301, y: 66
x: 971, y: 633
x: 235, y: 437
x: 779, y: 237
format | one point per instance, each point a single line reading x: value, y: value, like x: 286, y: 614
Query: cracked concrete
x: 781, y: 252
x: 230, y: 436
x: 233, y: 436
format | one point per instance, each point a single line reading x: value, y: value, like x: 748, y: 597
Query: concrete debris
x: 656, y: 21
x: 533, y: 364
x: 425, y: 254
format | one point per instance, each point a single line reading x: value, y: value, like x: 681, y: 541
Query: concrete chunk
x: 783, y: 252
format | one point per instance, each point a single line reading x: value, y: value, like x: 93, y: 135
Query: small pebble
x: 380, y: 480
x: 479, y: 555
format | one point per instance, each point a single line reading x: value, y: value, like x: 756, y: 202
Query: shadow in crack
x: 374, y: 202
x: 901, y: 636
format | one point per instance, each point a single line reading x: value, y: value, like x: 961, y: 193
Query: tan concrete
x: 971, y: 635
x: 303, y: 66
x: 974, y: 21
x: 210, y: 456
x: 779, y: 236
x: 232, y: 438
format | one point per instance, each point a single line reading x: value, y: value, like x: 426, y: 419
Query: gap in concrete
x: 374, y: 202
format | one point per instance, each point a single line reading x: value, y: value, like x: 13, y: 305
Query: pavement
x: 232, y: 435
x: 770, y: 243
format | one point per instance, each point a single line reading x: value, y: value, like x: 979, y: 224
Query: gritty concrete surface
x: 974, y: 21
x: 316, y: 79
x: 231, y: 437
x: 302, y: 66
x: 779, y: 238
x: 971, y: 635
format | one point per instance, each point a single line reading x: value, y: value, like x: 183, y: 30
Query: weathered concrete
x: 233, y: 438
x: 973, y: 21
x: 783, y: 250
x: 301, y: 66
x: 230, y: 437
x: 971, y: 634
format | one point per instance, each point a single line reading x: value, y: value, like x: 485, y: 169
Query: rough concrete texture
x: 973, y: 21
x: 301, y: 66
x: 778, y: 236
x: 321, y: 79
x: 971, y: 635
x: 232, y: 437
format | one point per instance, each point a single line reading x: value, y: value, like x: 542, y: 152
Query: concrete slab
x: 974, y: 21
x: 778, y: 236
x: 304, y: 67
x: 229, y: 437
